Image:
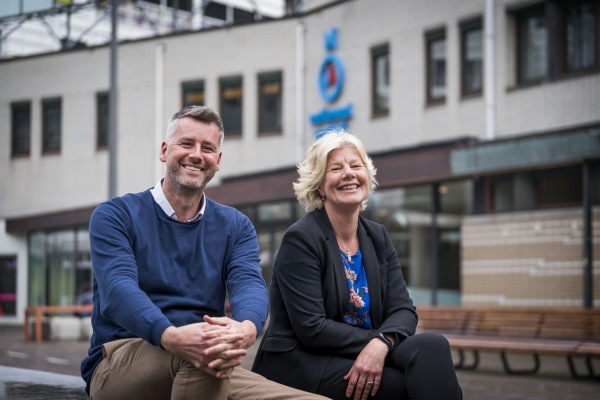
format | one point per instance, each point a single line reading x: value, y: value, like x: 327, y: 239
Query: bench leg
x: 590, y: 369
x: 511, y: 371
x: 461, y: 360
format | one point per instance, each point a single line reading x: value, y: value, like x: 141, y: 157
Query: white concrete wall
x: 78, y: 176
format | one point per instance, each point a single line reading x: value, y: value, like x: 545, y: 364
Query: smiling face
x: 192, y: 155
x: 346, y: 183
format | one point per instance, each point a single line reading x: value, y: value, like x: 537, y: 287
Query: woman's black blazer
x: 308, y: 296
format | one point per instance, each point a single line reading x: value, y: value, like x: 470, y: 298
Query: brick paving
x: 488, y: 382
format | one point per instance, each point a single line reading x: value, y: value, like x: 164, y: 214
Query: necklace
x: 347, y: 252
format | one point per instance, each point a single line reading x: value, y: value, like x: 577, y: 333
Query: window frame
x: 102, y: 123
x: 225, y: 83
x: 265, y: 78
x: 377, y: 53
x: 188, y: 87
x: 47, y: 105
x: 554, y: 15
x: 467, y: 27
x: 14, y: 133
x: 431, y: 37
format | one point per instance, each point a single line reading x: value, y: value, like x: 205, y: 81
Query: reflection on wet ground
x: 22, y: 390
x: 19, y: 383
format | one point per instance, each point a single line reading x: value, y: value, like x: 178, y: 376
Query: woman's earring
x: 322, y: 197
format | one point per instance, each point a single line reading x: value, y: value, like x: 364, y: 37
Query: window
x: 51, y: 115
x: 557, y: 38
x: 269, y: 102
x: 551, y: 188
x: 533, y: 45
x: 380, y: 70
x: 60, y: 265
x: 472, y: 58
x: 21, y: 128
x: 8, y: 286
x: 502, y: 193
x: 102, y: 120
x: 231, y: 104
x: 559, y: 187
x: 192, y: 93
x: 436, y: 66
x: 581, y: 33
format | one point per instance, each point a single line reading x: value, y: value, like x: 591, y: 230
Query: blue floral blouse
x: 357, y: 312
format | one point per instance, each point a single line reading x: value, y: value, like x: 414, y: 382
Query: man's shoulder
x: 223, y: 212
x: 124, y: 203
x: 130, y: 198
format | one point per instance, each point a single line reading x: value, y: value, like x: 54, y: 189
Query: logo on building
x: 331, y: 83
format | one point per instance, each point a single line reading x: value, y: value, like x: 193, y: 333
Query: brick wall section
x: 527, y: 259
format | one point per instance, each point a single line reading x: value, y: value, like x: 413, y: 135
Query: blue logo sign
x: 331, y: 82
x: 331, y: 78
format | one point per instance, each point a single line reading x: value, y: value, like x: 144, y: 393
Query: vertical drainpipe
x: 488, y: 62
x: 159, y: 53
x: 300, y: 88
x: 435, y: 243
x: 112, y: 105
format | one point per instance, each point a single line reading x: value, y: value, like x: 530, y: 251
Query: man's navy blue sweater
x: 151, y: 271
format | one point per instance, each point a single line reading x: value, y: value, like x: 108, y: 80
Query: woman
x: 342, y: 323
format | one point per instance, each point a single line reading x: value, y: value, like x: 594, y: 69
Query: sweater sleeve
x: 247, y: 289
x: 120, y: 299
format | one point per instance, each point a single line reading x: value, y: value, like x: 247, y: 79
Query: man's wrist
x: 165, y: 338
x: 250, y: 332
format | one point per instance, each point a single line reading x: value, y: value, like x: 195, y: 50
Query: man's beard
x: 188, y: 185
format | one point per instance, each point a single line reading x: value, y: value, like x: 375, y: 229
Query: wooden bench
x: 569, y: 332
x: 40, y: 311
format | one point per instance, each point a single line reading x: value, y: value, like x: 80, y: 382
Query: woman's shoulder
x: 306, y: 223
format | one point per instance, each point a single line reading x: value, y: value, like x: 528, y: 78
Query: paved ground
x: 27, y: 368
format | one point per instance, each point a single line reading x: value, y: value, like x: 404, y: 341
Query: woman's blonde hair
x: 312, y: 170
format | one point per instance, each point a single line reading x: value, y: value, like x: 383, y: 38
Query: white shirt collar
x: 163, y: 203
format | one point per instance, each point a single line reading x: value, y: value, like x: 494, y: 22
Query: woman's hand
x: 365, y: 375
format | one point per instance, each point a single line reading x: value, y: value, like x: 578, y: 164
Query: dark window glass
x: 502, y: 193
x: 21, y: 128
x: 557, y: 38
x: 581, y: 36
x: 269, y: 102
x: 215, y: 10
x: 538, y: 189
x: 193, y: 93
x: 184, y: 5
x: 231, y: 104
x: 436, y: 66
x: 51, y: 125
x: 559, y: 187
x: 472, y: 58
x: 532, y: 45
x: 240, y: 15
x: 8, y: 286
x: 102, y: 120
x: 380, y: 65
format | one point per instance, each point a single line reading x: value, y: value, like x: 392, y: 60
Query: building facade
x: 482, y: 119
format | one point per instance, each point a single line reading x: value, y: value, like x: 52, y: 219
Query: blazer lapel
x: 335, y: 260
x: 372, y: 272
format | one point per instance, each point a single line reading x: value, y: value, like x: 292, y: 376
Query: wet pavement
x: 50, y: 370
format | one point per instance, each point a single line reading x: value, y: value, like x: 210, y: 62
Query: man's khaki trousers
x: 134, y: 369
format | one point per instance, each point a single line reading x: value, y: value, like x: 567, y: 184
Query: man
x: 163, y: 262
